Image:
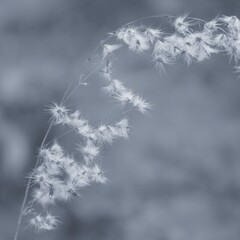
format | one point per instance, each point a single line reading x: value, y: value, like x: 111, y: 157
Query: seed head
x: 109, y: 49
x: 59, y: 113
x: 44, y: 223
x: 182, y: 24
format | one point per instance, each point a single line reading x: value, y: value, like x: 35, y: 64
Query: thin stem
x: 79, y: 84
x: 60, y: 136
x: 149, y: 17
x: 28, y: 186
x: 90, y: 59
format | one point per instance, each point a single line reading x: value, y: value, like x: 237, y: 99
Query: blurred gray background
x: 176, y: 178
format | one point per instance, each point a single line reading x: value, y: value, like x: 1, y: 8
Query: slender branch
x: 60, y: 136
x: 148, y: 17
x: 79, y: 84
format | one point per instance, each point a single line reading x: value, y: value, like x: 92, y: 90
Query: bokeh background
x: 176, y: 178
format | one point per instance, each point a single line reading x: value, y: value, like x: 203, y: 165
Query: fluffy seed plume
x: 90, y: 151
x: 44, y: 223
x: 134, y: 38
x: 125, y: 96
x: 107, y: 71
x: 182, y: 24
x: 140, y: 104
x: 109, y: 49
x: 153, y: 34
x: 59, y: 113
x: 162, y: 55
x: 203, y: 45
x: 97, y: 174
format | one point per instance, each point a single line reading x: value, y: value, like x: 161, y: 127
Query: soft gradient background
x: 176, y: 178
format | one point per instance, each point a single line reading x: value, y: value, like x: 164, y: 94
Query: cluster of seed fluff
x: 59, y: 177
x: 194, y: 40
x: 97, y: 136
x: 44, y: 223
x: 120, y: 93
